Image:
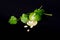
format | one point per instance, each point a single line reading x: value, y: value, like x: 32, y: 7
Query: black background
x: 16, y: 8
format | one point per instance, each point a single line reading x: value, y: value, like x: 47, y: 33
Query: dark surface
x: 16, y: 8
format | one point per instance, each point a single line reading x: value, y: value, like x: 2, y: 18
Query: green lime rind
x: 13, y: 20
x: 24, y: 18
